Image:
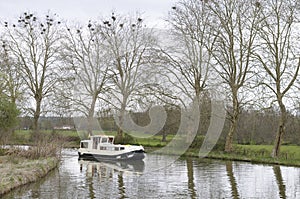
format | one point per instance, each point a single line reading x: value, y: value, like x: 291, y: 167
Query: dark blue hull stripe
x: 133, y: 155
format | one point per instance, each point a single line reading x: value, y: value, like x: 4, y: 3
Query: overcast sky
x: 82, y: 10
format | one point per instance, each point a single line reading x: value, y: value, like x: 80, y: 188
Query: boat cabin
x: 102, y: 147
x: 101, y: 142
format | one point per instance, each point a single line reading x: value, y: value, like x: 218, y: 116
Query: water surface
x: 154, y: 178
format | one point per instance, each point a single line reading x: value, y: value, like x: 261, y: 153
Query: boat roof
x: 111, y: 136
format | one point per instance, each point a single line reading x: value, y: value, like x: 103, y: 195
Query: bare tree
x: 278, y: 56
x: 188, y: 58
x: 11, y: 76
x: 130, y: 46
x: 85, y: 54
x: 235, y: 23
x: 33, y: 42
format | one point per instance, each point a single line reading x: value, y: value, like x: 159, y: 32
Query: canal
x: 155, y: 178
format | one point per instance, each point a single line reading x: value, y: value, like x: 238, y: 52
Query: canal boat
x: 102, y: 147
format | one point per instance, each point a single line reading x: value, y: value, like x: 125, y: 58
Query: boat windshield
x: 104, y: 140
x: 84, y: 145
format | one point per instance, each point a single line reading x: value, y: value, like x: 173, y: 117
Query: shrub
x: 220, y: 146
x: 3, y: 151
x: 8, y: 118
x: 197, y: 142
x: 125, y: 139
x: 45, y: 146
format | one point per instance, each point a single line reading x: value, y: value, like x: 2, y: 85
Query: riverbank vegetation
x: 256, y: 153
x: 261, y: 154
x: 290, y: 154
x: 16, y: 171
x: 20, y: 165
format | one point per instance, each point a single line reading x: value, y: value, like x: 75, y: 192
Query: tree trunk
x: 233, y: 125
x: 91, y: 117
x: 90, y: 125
x: 119, y: 137
x: 229, y: 137
x: 198, y: 92
x: 280, y: 131
x: 278, y: 141
x: 120, y: 130
x: 36, y: 117
x: 164, y: 136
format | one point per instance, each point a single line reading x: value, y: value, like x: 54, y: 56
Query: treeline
x: 255, y: 127
x: 244, y: 53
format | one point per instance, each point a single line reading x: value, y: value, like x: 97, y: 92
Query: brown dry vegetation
x: 19, y: 166
x: 16, y: 171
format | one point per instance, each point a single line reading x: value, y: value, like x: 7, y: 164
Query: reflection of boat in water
x: 101, y: 147
x: 136, y: 166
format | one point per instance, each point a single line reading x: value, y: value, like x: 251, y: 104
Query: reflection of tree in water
x: 233, y: 184
x: 279, y: 180
x: 98, y: 170
x: 121, y: 185
x: 94, y: 169
x: 91, y: 187
x: 103, y: 171
x: 190, y: 173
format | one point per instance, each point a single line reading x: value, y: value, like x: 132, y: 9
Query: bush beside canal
x: 66, y: 138
x: 16, y: 171
x: 22, y: 165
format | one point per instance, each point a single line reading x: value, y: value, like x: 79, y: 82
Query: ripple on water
x: 155, y: 178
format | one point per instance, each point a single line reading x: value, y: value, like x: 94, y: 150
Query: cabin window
x: 122, y: 148
x: 117, y: 149
x: 96, y: 141
x: 84, y: 145
x: 102, y: 148
x: 104, y: 140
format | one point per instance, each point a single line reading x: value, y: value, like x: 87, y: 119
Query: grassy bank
x: 290, y: 155
x: 71, y: 138
x: 17, y: 171
x: 23, y: 137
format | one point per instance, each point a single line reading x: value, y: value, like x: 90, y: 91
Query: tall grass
x: 49, y: 145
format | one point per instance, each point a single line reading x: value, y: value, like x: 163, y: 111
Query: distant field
x: 23, y: 137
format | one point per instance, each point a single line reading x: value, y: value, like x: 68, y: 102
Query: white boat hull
x: 129, y: 155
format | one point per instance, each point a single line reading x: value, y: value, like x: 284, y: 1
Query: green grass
x: 154, y: 141
x: 290, y: 150
x: 17, y: 171
x: 289, y: 155
x: 23, y: 137
x: 20, y: 137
